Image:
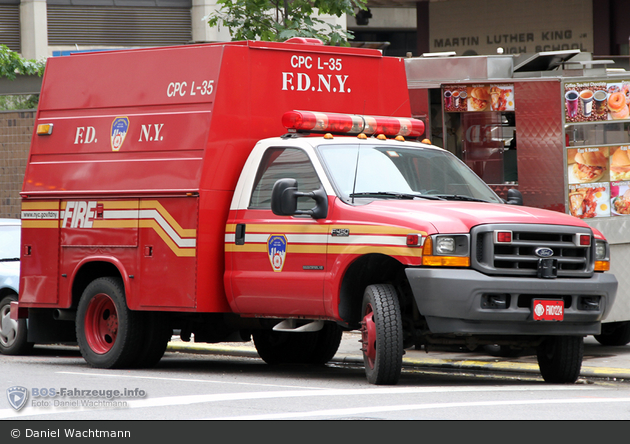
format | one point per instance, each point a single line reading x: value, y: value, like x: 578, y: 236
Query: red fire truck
x: 278, y: 192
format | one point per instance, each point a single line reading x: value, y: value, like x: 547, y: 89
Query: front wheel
x: 381, y: 335
x: 108, y: 333
x: 560, y: 358
x: 12, y: 333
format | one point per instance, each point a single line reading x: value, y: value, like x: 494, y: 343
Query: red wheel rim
x: 101, y: 324
x: 368, y: 336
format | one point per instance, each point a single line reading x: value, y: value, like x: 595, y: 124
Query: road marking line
x: 399, y: 408
x: 210, y: 381
x: 199, y: 399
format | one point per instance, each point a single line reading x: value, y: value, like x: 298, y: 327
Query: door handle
x: 239, y: 238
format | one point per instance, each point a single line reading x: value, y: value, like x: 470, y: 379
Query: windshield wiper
x: 460, y: 197
x: 10, y: 259
x: 396, y: 195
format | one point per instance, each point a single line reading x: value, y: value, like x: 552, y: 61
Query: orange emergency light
x: 352, y: 124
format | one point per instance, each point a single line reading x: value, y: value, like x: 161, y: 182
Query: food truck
x: 554, y: 125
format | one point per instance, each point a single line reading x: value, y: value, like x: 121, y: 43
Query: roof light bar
x: 352, y: 124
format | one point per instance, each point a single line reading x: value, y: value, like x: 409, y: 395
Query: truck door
x: 277, y: 262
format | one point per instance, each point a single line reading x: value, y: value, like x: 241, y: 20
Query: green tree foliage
x: 12, y: 64
x: 279, y: 20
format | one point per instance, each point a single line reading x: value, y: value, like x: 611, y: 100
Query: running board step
x: 291, y: 325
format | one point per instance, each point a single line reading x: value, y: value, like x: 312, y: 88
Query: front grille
x: 518, y: 258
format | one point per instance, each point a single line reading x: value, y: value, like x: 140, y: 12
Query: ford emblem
x: 544, y: 252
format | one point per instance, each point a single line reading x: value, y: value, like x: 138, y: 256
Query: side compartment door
x: 168, y: 253
x: 277, y: 263
x: 39, y: 261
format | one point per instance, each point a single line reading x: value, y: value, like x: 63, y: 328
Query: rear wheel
x: 108, y: 333
x: 560, y: 358
x: 382, y: 335
x: 156, y: 337
x: 614, y: 333
x: 13, y: 334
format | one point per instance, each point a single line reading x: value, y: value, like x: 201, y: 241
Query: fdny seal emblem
x: 277, y: 251
x: 17, y: 397
x: 120, y: 125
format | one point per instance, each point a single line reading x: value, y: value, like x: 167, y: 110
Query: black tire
x: 614, y: 333
x: 156, y: 337
x: 560, y: 358
x: 326, y: 344
x: 108, y: 333
x: 309, y: 348
x: 382, y: 335
x: 282, y: 347
x: 13, y: 334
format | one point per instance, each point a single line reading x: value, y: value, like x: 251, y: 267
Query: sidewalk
x: 599, y: 361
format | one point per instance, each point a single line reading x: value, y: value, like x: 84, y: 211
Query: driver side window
x: 283, y: 163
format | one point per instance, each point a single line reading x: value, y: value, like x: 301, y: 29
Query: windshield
x: 9, y: 242
x: 375, y: 171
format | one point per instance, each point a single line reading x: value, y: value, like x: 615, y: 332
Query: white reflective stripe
x: 324, y: 239
x: 154, y: 214
x: 120, y: 214
x: 369, y: 240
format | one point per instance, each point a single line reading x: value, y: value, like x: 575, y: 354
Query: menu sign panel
x: 596, y: 101
x: 599, y: 181
x: 478, y: 97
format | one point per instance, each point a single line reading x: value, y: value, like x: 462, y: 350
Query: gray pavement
x: 599, y: 361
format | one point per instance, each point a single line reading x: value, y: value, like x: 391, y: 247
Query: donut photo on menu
x: 617, y: 106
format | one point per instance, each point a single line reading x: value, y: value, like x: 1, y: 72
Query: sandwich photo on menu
x: 478, y: 99
x: 620, y: 164
x: 587, y: 166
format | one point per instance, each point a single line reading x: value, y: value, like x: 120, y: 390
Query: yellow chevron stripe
x: 332, y: 249
x: 323, y: 229
x: 29, y: 223
x: 155, y: 205
x: 262, y: 248
x: 40, y: 206
x: 180, y: 252
x: 366, y: 249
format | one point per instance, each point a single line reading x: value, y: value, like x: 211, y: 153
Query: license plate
x: 545, y: 310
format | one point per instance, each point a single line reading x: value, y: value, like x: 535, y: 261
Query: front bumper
x: 455, y: 301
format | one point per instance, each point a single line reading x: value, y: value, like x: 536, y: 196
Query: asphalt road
x: 599, y: 361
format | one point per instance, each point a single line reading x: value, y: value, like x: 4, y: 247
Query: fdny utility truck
x: 278, y: 192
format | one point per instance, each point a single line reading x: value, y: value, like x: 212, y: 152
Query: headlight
x: 445, y: 245
x: 601, y: 252
x: 446, y: 250
x: 602, y: 256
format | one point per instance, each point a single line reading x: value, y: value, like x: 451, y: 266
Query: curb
x: 452, y: 364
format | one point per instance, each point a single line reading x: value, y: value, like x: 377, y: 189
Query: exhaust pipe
x: 65, y: 315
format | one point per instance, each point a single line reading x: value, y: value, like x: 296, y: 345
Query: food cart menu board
x: 599, y: 181
x: 596, y: 101
x: 478, y: 97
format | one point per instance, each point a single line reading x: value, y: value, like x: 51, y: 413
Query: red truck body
x: 193, y: 115
x: 180, y: 189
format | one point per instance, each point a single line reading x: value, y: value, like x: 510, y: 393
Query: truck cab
x: 401, y: 240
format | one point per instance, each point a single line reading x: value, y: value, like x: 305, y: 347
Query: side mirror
x: 514, y: 197
x: 284, y: 200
